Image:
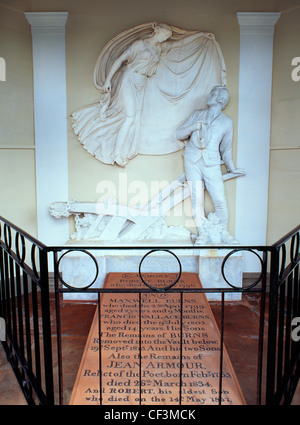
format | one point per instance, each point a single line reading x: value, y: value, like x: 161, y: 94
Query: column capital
x: 47, y: 22
x: 257, y: 23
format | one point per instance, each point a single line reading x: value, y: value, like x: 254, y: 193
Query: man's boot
x: 227, y: 238
x: 202, y: 237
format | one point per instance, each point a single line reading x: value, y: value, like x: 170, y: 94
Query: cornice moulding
x: 257, y: 23
x: 47, y: 19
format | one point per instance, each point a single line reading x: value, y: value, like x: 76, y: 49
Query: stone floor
x: 240, y: 337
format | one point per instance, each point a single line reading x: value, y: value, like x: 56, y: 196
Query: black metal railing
x: 225, y: 293
x: 24, y: 304
x: 283, y: 362
x: 34, y: 339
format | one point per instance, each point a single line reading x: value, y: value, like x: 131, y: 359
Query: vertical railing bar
x: 296, y: 299
x: 296, y: 308
x: 58, y: 332
x: 20, y: 311
x: 297, y: 272
x: 280, y: 336
x: 99, y: 349
x: 59, y: 350
x: 46, y: 327
x: 27, y: 330
x: 222, y: 347
x: 2, y: 287
x: 36, y: 335
x: 27, y: 321
x: 140, y: 348
x: 13, y: 303
x: 272, y: 328
x: 7, y: 291
x: 291, y: 372
x: 288, y: 339
x: 261, y: 329
x: 180, y: 364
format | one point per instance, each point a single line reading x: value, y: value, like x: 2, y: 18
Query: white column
x: 49, y: 79
x: 255, y: 84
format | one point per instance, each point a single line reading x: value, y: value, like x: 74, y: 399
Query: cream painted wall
x: 91, y: 24
x: 17, y: 163
x: 284, y: 191
x: 17, y: 188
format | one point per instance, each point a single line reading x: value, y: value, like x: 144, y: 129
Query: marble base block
x: 78, y: 269
x: 210, y: 272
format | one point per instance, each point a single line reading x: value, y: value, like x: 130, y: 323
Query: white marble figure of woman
x: 135, y: 86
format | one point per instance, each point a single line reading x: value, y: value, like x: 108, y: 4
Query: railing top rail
x: 158, y: 247
x: 32, y: 239
x: 286, y: 237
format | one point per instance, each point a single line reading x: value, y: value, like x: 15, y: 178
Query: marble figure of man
x: 208, y: 135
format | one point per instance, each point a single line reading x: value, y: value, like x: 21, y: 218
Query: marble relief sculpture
x: 208, y: 135
x: 148, y: 78
x: 161, y: 89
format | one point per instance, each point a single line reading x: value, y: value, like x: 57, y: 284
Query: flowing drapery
x: 150, y: 95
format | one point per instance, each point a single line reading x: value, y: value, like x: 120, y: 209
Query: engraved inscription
x: 153, y: 357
